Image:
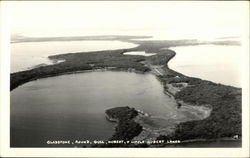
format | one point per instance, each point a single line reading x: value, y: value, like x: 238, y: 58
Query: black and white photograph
x: 125, y: 74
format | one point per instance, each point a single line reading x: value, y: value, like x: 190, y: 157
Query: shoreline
x: 168, y: 143
x: 156, y: 65
x: 85, y: 71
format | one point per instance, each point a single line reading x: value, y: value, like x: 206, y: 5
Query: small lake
x: 29, y: 54
x: 142, y: 53
x: 217, y: 63
x: 72, y: 107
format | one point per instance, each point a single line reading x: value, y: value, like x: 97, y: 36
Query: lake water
x: 29, y: 54
x: 142, y: 53
x: 217, y: 63
x: 72, y: 107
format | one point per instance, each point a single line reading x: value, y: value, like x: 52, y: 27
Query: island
x: 224, y: 120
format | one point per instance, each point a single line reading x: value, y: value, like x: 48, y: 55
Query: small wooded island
x: 224, y: 120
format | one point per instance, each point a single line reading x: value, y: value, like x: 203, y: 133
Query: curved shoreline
x: 157, y: 65
x: 210, y: 60
x: 83, y: 71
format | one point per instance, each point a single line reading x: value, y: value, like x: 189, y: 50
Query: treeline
x: 161, y: 58
x: 93, y: 60
x: 19, y: 78
x: 127, y: 128
x: 225, y: 118
x: 80, y: 61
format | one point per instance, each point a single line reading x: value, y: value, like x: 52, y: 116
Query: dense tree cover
x: 126, y: 129
x: 90, y: 61
x: 122, y: 113
x: 161, y: 58
x: 225, y: 118
x: 80, y: 61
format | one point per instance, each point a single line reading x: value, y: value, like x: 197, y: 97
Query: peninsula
x: 224, y: 101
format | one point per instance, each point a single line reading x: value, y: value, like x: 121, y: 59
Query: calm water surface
x: 139, y: 53
x: 220, y: 64
x: 29, y: 54
x: 72, y: 107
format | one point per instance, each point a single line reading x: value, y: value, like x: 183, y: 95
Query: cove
x: 72, y: 107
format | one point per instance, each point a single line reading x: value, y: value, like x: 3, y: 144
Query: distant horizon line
x: 22, y: 38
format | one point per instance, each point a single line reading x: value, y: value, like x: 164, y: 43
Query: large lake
x: 217, y: 63
x: 29, y: 54
x: 72, y: 107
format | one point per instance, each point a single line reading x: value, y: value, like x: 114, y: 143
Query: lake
x: 72, y: 107
x: 217, y: 63
x: 29, y: 54
x: 142, y: 53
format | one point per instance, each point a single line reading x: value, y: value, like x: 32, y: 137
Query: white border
x: 111, y: 152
